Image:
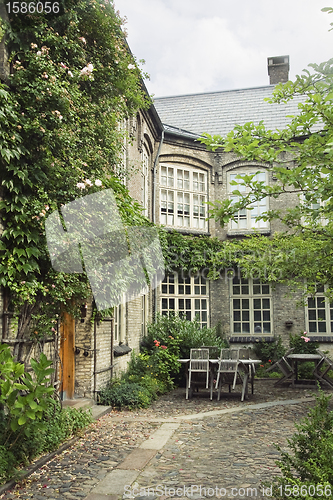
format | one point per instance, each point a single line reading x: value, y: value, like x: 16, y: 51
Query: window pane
x: 322, y: 326
x: 312, y: 327
x: 266, y: 303
x: 256, y: 303
x: 246, y: 316
x: 245, y: 327
x: 257, y: 316
x: 237, y: 316
x: 266, y: 315
x: 267, y: 327
x: 311, y: 302
x: 237, y: 327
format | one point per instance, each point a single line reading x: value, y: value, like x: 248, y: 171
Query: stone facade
x: 99, y: 341
x: 286, y: 317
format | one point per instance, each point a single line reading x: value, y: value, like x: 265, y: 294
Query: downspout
x: 153, y: 212
x: 154, y: 175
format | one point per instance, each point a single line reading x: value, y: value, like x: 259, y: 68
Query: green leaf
x: 22, y: 420
x: 31, y: 414
x: 33, y: 405
x: 14, y: 425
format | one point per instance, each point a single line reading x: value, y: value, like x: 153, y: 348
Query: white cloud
x: 195, y: 46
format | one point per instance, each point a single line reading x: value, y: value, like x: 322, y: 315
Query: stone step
x: 85, y: 403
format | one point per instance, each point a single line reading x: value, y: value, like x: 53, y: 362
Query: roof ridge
x: 214, y: 92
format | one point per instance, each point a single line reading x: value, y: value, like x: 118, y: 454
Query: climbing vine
x: 73, y: 82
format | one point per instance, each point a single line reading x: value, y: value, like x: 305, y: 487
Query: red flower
x: 269, y: 361
x: 163, y: 347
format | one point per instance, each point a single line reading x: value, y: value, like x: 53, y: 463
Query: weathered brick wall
x: 84, y: 367
x: 104, y: 331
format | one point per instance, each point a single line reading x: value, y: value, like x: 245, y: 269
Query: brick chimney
x: 278, y: 69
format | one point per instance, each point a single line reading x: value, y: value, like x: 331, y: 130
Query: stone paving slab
x: 138, y: 459
x: 115, y: 482
x: 96, y: 496
x: 159, y: 438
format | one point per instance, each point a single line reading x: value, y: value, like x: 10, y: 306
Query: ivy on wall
x: 73, y: 83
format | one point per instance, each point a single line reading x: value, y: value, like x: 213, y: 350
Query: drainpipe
x: 153, y: 211
x: 154, y: 175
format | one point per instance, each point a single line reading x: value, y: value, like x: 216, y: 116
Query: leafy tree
x: 300, y: 157
x: 73, y: 82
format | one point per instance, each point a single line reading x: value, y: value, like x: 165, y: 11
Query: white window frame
x: 175, y: 290
x: 144, y: 314
x: 145, y: 180
x: 322, y: 221
x: 311, y: 318
x: 251, y: 290
x: 245, y: 219
x: 183, y: 197
x: 119, y: 324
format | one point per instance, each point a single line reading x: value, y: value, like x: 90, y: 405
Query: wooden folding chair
x: 284, y: 366
x: 229, y: 372
x: 199, y: 368
x: 322, y: 368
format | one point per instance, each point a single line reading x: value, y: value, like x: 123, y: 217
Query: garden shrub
x: 269, y: 352
x: 189, y: 334
x: 301, y: 344
x: 40, y: 437
x: 31, y: 421
x: 7, y: 462
x: 310, y: 463
x: 122, y: 394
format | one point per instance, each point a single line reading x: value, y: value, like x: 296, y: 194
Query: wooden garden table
x: 301, y: 358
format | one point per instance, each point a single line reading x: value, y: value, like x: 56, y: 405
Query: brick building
x: 189, y: 176
x: 173, y: 176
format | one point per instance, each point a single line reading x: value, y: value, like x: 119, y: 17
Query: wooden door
x: 67, y: 346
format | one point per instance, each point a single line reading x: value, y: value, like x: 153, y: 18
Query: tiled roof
x: 219, y: 112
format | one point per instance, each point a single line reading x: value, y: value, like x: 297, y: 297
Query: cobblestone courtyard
x: 209, y: 447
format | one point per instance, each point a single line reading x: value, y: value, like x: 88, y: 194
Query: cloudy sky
x: 205, y: 45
